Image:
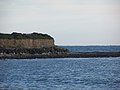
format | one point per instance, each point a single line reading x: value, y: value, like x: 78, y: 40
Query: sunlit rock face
x: 26, y: 43
x: 18, y: 40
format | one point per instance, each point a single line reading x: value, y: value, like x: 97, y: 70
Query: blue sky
x: 70, y: 22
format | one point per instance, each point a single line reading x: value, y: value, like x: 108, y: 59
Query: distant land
x: 38, y: 45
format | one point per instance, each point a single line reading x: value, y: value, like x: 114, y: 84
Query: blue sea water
x: 93, y: 48
x: 60, y: 74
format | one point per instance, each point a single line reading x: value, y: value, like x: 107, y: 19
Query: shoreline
x: 62, y: 55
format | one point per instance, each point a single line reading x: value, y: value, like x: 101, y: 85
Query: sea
x: 63, y: 73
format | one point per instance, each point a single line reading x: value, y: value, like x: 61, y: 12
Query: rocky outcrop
x: 43, y: 52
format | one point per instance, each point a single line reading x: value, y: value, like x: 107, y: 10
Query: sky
x: 70, y: 22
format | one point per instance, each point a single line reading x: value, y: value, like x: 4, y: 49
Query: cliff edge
x: 19, y: 40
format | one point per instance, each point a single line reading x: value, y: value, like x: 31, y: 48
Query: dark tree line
x: 16, y: 35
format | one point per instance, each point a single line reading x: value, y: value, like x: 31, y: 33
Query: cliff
x: 26, y: 43
x: 37, y: 45
x: 18, y: 40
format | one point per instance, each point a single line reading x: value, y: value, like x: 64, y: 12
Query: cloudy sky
x: 70, y: 22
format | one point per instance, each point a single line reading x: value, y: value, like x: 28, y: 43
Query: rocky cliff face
x: 26, y: 43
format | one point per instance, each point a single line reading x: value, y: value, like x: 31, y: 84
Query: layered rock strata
x: 26, y: 43
x: 19, y: 40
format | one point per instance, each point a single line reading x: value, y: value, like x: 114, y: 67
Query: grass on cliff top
x: 15, y: 35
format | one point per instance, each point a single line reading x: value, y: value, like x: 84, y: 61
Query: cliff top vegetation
x: 33, y: 35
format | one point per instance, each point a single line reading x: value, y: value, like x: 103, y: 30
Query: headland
x: 38, y: 45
